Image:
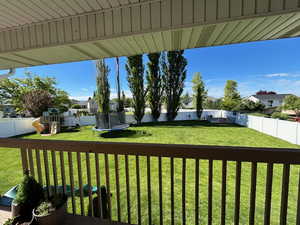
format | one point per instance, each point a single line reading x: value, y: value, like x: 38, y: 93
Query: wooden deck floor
x: 4, y: 214
x: 70, y: 219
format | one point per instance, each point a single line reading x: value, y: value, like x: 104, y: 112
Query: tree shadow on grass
x: 125, y: 134
x: 186, y: 123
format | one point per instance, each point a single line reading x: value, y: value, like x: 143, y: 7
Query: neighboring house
x: 269, y: 100
x: 83, y: 104
x: 92, y: 106
x: 8, y: 110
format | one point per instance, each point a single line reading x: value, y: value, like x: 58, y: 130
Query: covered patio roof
x: 39, y: 32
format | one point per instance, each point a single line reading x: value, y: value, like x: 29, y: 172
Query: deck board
x: 70, y: 219
x: 4, y: 214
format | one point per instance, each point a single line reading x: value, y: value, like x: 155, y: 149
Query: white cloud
x: 277, y: 75
x: 84, y: 89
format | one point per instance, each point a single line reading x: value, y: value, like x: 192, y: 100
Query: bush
x: 279, y: 115
x: 30, y: 193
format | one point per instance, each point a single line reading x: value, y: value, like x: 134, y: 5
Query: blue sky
x: 268, y: 65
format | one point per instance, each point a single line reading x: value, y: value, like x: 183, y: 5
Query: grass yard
x: 187, y: 132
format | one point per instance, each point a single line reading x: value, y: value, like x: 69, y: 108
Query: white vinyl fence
x: 285, y: 130
x: 15, y: 126
x: 182, y: 115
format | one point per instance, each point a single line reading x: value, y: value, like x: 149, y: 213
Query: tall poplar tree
x: 154, y: 85
x: 199, y: 93
x: 135, y: 78
x: 174, y: 74
x: 103, y: 88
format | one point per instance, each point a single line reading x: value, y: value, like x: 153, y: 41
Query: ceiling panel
x: 199, y: 36
x: 20, y: 12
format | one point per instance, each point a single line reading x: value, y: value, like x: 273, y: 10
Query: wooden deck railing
x: 171, y: 184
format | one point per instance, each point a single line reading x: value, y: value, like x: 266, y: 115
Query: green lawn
x: 176, y: 133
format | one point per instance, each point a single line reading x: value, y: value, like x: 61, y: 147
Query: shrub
x: 279, y: 115
x: 9, y: 222
x: 30, y: 193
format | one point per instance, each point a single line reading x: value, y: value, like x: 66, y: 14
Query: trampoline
x: 114, y: 121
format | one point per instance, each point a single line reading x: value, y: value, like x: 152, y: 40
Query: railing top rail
x: 230, y: 153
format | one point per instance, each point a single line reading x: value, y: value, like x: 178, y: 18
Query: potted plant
x: 9, y: 222
x: 51, y: 211
x: 29, y: 195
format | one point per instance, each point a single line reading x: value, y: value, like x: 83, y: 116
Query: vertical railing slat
x: 127, y: 189
x: 172, y: 191
x: 210, y: 191
x: 46, y: 166
x: 223, y: 201
x: 253, y: 193
x: 284, y: 193
x: 24, y: 159
x: 54, y: 170
x: 237, y: 193
x: 149, y: 190
x: 183, y: 191
x: 138, y: 190
x: 38, y: 166
x: 79, y: 171
x: 71, y: 174
x: 268, y: 197
x: 98, y: 180
x: 161, y: 219
x: 117, y: 187
x: 197, y: 183
x: 89, y: 182
x: 31, y: 163
x: 62, y: 171
x: 107, y: 184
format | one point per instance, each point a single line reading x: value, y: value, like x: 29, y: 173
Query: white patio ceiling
x: 56, y: 31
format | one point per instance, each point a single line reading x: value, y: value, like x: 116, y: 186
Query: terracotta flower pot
x: 55, y: 218
x: 15, y: 209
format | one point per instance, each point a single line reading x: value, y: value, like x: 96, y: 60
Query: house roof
x: 278, y: 97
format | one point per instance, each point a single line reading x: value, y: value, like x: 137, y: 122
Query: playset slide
x: 38, y: 126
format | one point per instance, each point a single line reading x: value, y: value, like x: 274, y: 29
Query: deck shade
x: 48, y: 32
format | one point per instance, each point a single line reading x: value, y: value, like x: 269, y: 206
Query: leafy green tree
x: 135, y: 78
x: 232, y: 97
x: 250, y: 106
x: 37, y: 101
x: 76, y: 106
x: 292, y: 102
x: 200, y: 93
x: 154, y: 85
x: 174, y: 74
x: 212, y: 104
x: 103, y: 88
x: 13, y: 91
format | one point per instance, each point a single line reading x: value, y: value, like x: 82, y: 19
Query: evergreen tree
x: 135, y: 77
x: 103, y: 88
x: 232, y: 97
x: 200, y: 93
x: 174, y: 74
x: 154, y: 85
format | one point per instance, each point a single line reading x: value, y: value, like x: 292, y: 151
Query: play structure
x: 53, y: 121
x: 114, y: 121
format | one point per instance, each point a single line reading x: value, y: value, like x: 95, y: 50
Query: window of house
x: 270, y: 103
